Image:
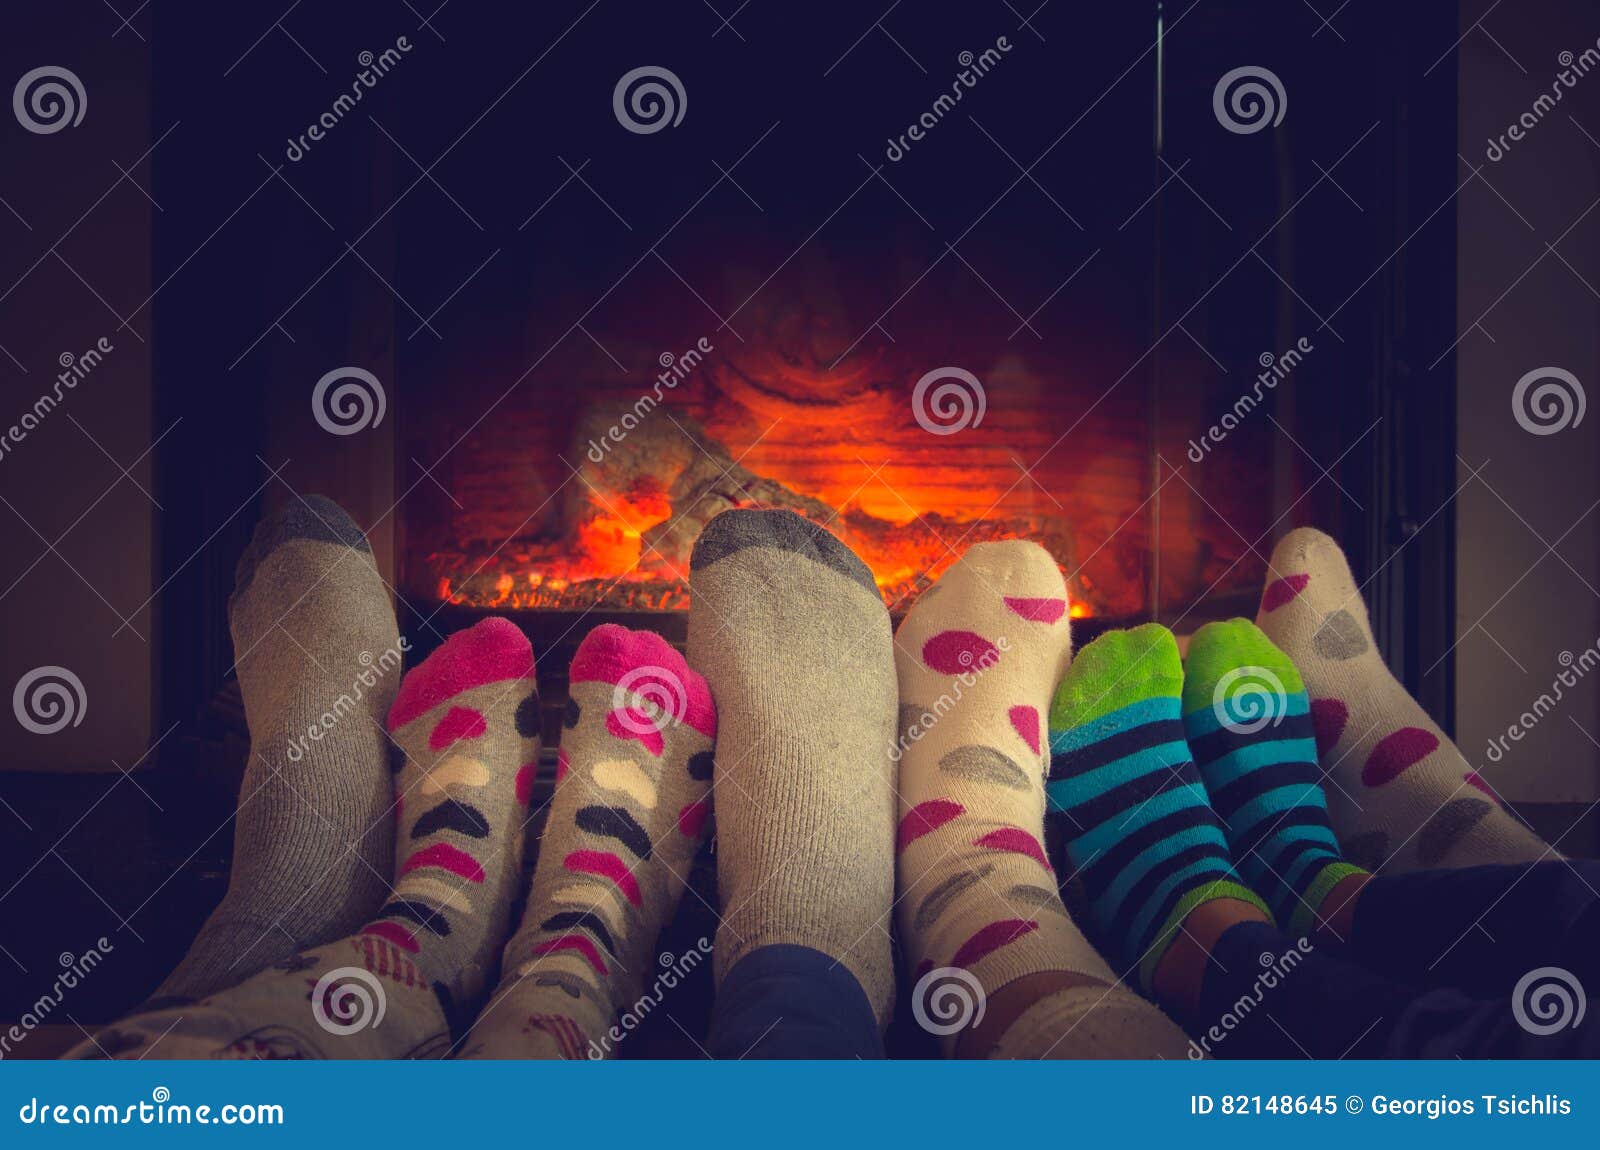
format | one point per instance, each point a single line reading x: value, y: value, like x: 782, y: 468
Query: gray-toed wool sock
x: 319, y: 661
x: 788, y: 627
x: 401, y: 987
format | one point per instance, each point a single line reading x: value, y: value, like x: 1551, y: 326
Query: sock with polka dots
x: 1401, y: 796
x: 633, y: 792
x: 978, y: 901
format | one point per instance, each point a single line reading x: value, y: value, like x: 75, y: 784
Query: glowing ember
x: 611, y: 563
x: 621, y: 536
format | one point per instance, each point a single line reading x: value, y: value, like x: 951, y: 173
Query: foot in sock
x: 312, y: 628
x: 1402, y: 796
x: 788, y: 628
x: 977, y: 657
x: 629, y: 813
x: 1128, y: 799
x: 1248, y: 723
x: 467, y: 719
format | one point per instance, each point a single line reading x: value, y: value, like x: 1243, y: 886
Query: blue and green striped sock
x: 1123, y: 790
x: 1249, y: 727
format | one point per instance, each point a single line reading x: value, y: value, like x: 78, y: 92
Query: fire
x: 611, y: 542
x: 609, y: 563
x: 621, y: 535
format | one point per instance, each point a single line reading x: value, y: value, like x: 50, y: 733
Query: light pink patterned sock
x: 1400, y: 795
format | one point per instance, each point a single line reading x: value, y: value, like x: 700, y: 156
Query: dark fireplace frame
x: 1405, y: 469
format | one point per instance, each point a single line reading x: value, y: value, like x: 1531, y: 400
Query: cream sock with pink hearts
x: 978, y: 658
x: 1400, y: 795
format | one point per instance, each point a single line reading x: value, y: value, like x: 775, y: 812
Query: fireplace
x: 588, y: 493
x: 1080, y: 329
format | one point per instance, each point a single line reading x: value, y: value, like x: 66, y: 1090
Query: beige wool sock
x: 978, y: 658
x: 319, y: 659
x: 409, y: 980
x: 788, y: 627
x: 1400, y: 795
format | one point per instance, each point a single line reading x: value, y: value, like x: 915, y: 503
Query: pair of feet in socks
x: 815, y: 768
x: 366, y: 911
x: 1173, y: 786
